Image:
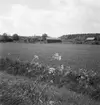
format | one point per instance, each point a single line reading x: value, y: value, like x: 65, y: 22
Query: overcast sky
x: 54, y: 17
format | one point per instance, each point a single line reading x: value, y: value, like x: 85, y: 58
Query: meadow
x: 34, y: 74
x: 76, y: 56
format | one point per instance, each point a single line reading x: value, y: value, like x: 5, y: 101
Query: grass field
x: 75, y: 56
x: 17, y: 83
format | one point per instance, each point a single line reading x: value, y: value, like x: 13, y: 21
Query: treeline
x: 17, y: 38
x: 81, y: 38
x: 7, y: 38
x: 68, y: 38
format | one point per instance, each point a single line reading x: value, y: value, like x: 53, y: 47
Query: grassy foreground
x: 25, y: 83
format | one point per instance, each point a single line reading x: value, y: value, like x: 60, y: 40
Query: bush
x: 26, y: 92
x: 4, y: 38
x: 15, y: 37
x: 82, y: 81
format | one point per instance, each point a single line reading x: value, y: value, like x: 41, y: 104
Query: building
x: 53, y: 40
x: 90, y: 39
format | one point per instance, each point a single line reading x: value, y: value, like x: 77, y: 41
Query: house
x: 90, y: 39
x: 53, y: 40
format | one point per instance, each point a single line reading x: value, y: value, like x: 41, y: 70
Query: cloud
x: 67, y: 16
x: 30, y: 21
x: 91, y: 2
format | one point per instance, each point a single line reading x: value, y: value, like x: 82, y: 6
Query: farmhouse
x: 53, y: 40
x: 90, y: 39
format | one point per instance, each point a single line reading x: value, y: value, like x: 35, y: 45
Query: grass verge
x: 79, y: 82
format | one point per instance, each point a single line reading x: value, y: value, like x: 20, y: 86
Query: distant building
x: 53, y: 40
x: 90, y: 39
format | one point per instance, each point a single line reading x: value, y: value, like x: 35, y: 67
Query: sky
x: 54, y: 17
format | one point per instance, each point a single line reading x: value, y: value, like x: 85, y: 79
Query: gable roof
x: 53, y: 38
x: 90, y: 38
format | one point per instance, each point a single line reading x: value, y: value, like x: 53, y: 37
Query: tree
x: 44, y: 36
x: 15, y: 37
x: 5, y: 37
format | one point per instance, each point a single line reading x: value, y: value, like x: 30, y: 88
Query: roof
x: 90, y: 38
x: 53, y: 38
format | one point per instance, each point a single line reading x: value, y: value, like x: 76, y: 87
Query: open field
x: 17, y: 79
x: 76, y: 56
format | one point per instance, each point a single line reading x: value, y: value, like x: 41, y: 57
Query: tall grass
x: 26, y: 93
x: 80, y: 81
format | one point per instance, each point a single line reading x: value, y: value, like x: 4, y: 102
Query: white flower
x: 29, y: 71
x: 36, y: 57
x: 62, y: 67
x: 82, y: 77
x: 51, y: 102
x: 56, y: 56
x: 59, y: 58
x: 51, y: 81
x: 51, y: 70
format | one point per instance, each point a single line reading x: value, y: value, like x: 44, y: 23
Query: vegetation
x: 69, y: 38
x: 44, y: 36
x: 83, y: 81
x: 5, y: 38
x: 17, y: 90
x: 15, y: 37
x: 81, y: 38
x: 36, y: 83
x: 22, y: 91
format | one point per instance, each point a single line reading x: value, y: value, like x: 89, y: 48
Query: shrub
x: 80, y: 81
x: 15, y: 37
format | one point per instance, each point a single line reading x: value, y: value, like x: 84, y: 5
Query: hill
x: 81, y: 38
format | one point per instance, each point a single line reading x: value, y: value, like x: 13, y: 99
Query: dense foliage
x: 44, y: 36
x: 69, y: 38
x: 81, y: 38
x: 5, y: 38
x: 16, y: 38
x: 80, y: 81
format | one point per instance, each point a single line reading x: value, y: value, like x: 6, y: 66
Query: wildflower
x: 51, y: 102
x: 51, y: 70
x: 67, y: 70
x: 36, y: 57
x: 29, y: 70
x: 56, y: 56
x: 92, y: 73
x: 37, y: 64
x: 40, y: 65
x: 82, y: 77
x: 51, y: 81
x: 61, y: 68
